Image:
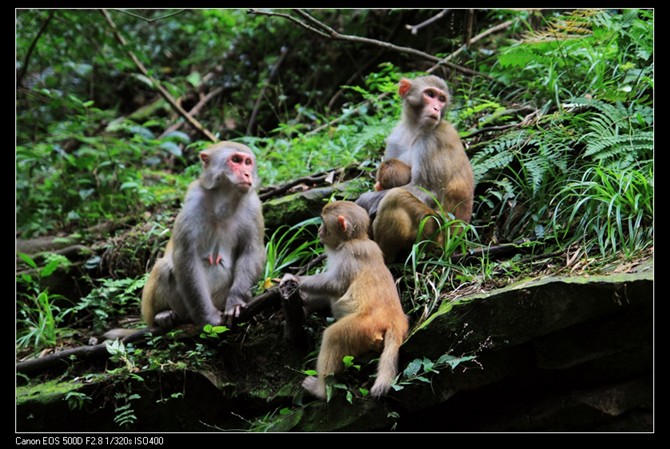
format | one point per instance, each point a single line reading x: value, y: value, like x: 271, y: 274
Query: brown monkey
x: 392, y: 173
x: 216, y: 253
x: 441, y: 171
x: 362, y: 296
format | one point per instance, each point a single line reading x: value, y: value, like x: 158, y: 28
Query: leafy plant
x: 114, y: 297
x: 609, y: 208
x: 291, y: 245
x: 421, y: 370
x: 125, y: 414
x: 76, y: 400
x: 209, y: 331
x: 40, y: 316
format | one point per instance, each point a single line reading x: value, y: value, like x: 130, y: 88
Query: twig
x: 312, y: 263
x: 170, y: 99
x: 40, y: 364
x: 194, y: 110
x: 273, y: 72
x: 148, y: 20
x: 482, y: 35
x: 494, y: 251
x: 525, y: 122
x: 261, y: 302
x: 491, y: 129
x: 414, y: 29
x: 326, y: 32
x: 26, y: 60
x: 82, y: 353
x: 311, y: 179
x: 468, y: 27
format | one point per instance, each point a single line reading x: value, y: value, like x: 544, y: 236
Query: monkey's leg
x: 348, y: 336
x: 394, y: 228
x: 159, y: 295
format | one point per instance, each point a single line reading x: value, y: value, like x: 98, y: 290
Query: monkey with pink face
x: 216, y: 253
x: 441, y: 174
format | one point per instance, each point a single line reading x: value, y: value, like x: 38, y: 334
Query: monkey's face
x: 241, y: 170
x: 434, y: 101
x: 328, y: 236
x: 228, y: 166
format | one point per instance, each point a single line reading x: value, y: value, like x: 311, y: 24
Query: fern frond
x: 498, y: 155
x: 575, y: 24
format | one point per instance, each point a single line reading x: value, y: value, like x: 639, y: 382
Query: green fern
x: 618, y: 136
x: 498, y: 155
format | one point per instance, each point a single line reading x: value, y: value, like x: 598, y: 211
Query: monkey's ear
x: 405, y: 84
x: 205, y: 157
x: 342, y: 222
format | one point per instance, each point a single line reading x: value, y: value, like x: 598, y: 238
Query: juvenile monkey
x: 392, y: 173
x: 362, y: 296
x: 216, y: 253
x: 441, y: 170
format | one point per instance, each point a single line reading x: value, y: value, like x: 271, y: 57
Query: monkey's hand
x: 288, y: 285
x: 234, y: 305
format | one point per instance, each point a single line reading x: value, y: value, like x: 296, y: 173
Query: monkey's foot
x: 314, y: 387
x: 167, y: 319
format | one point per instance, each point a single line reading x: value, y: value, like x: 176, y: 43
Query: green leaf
x: 413, y: 368
x: 145, y: 79
x: 50, y: 267
x: 427, y: 364
x: 172, y: 148
x: 194, y: 78
x: 129, y: 185
x: 85, y: 193
x: 310, y: 372
x: 364, y: 391
x: 454, y: 363
x: 179, y: 136
x: 28, y: 260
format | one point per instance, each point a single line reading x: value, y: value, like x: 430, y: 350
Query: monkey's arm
x: 248, y: 268
x: 193, y: 287
x: 370, y: 201
x: 319, y: 290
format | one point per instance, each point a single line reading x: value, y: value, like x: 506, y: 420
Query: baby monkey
x: 362, y: 296
x: 392, y: 173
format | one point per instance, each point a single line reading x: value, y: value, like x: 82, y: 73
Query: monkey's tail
x: 388, y: 364
x: 119, y: 332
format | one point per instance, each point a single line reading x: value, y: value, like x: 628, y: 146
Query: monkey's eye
x: 430, y: 93
x: 236, y: 159
x: 443, y: 99
x: 248, y: 161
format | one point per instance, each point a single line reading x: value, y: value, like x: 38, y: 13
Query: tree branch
x: 26, y: 60
x: 482, y: 35
x: 273, y: 72
x: 82, y: 353
x: 414, y: 29
x: 294, y: 315
x: 169, y: 98
x: 194, y: 110
x: 148, y: 20
x: 332, y: 34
